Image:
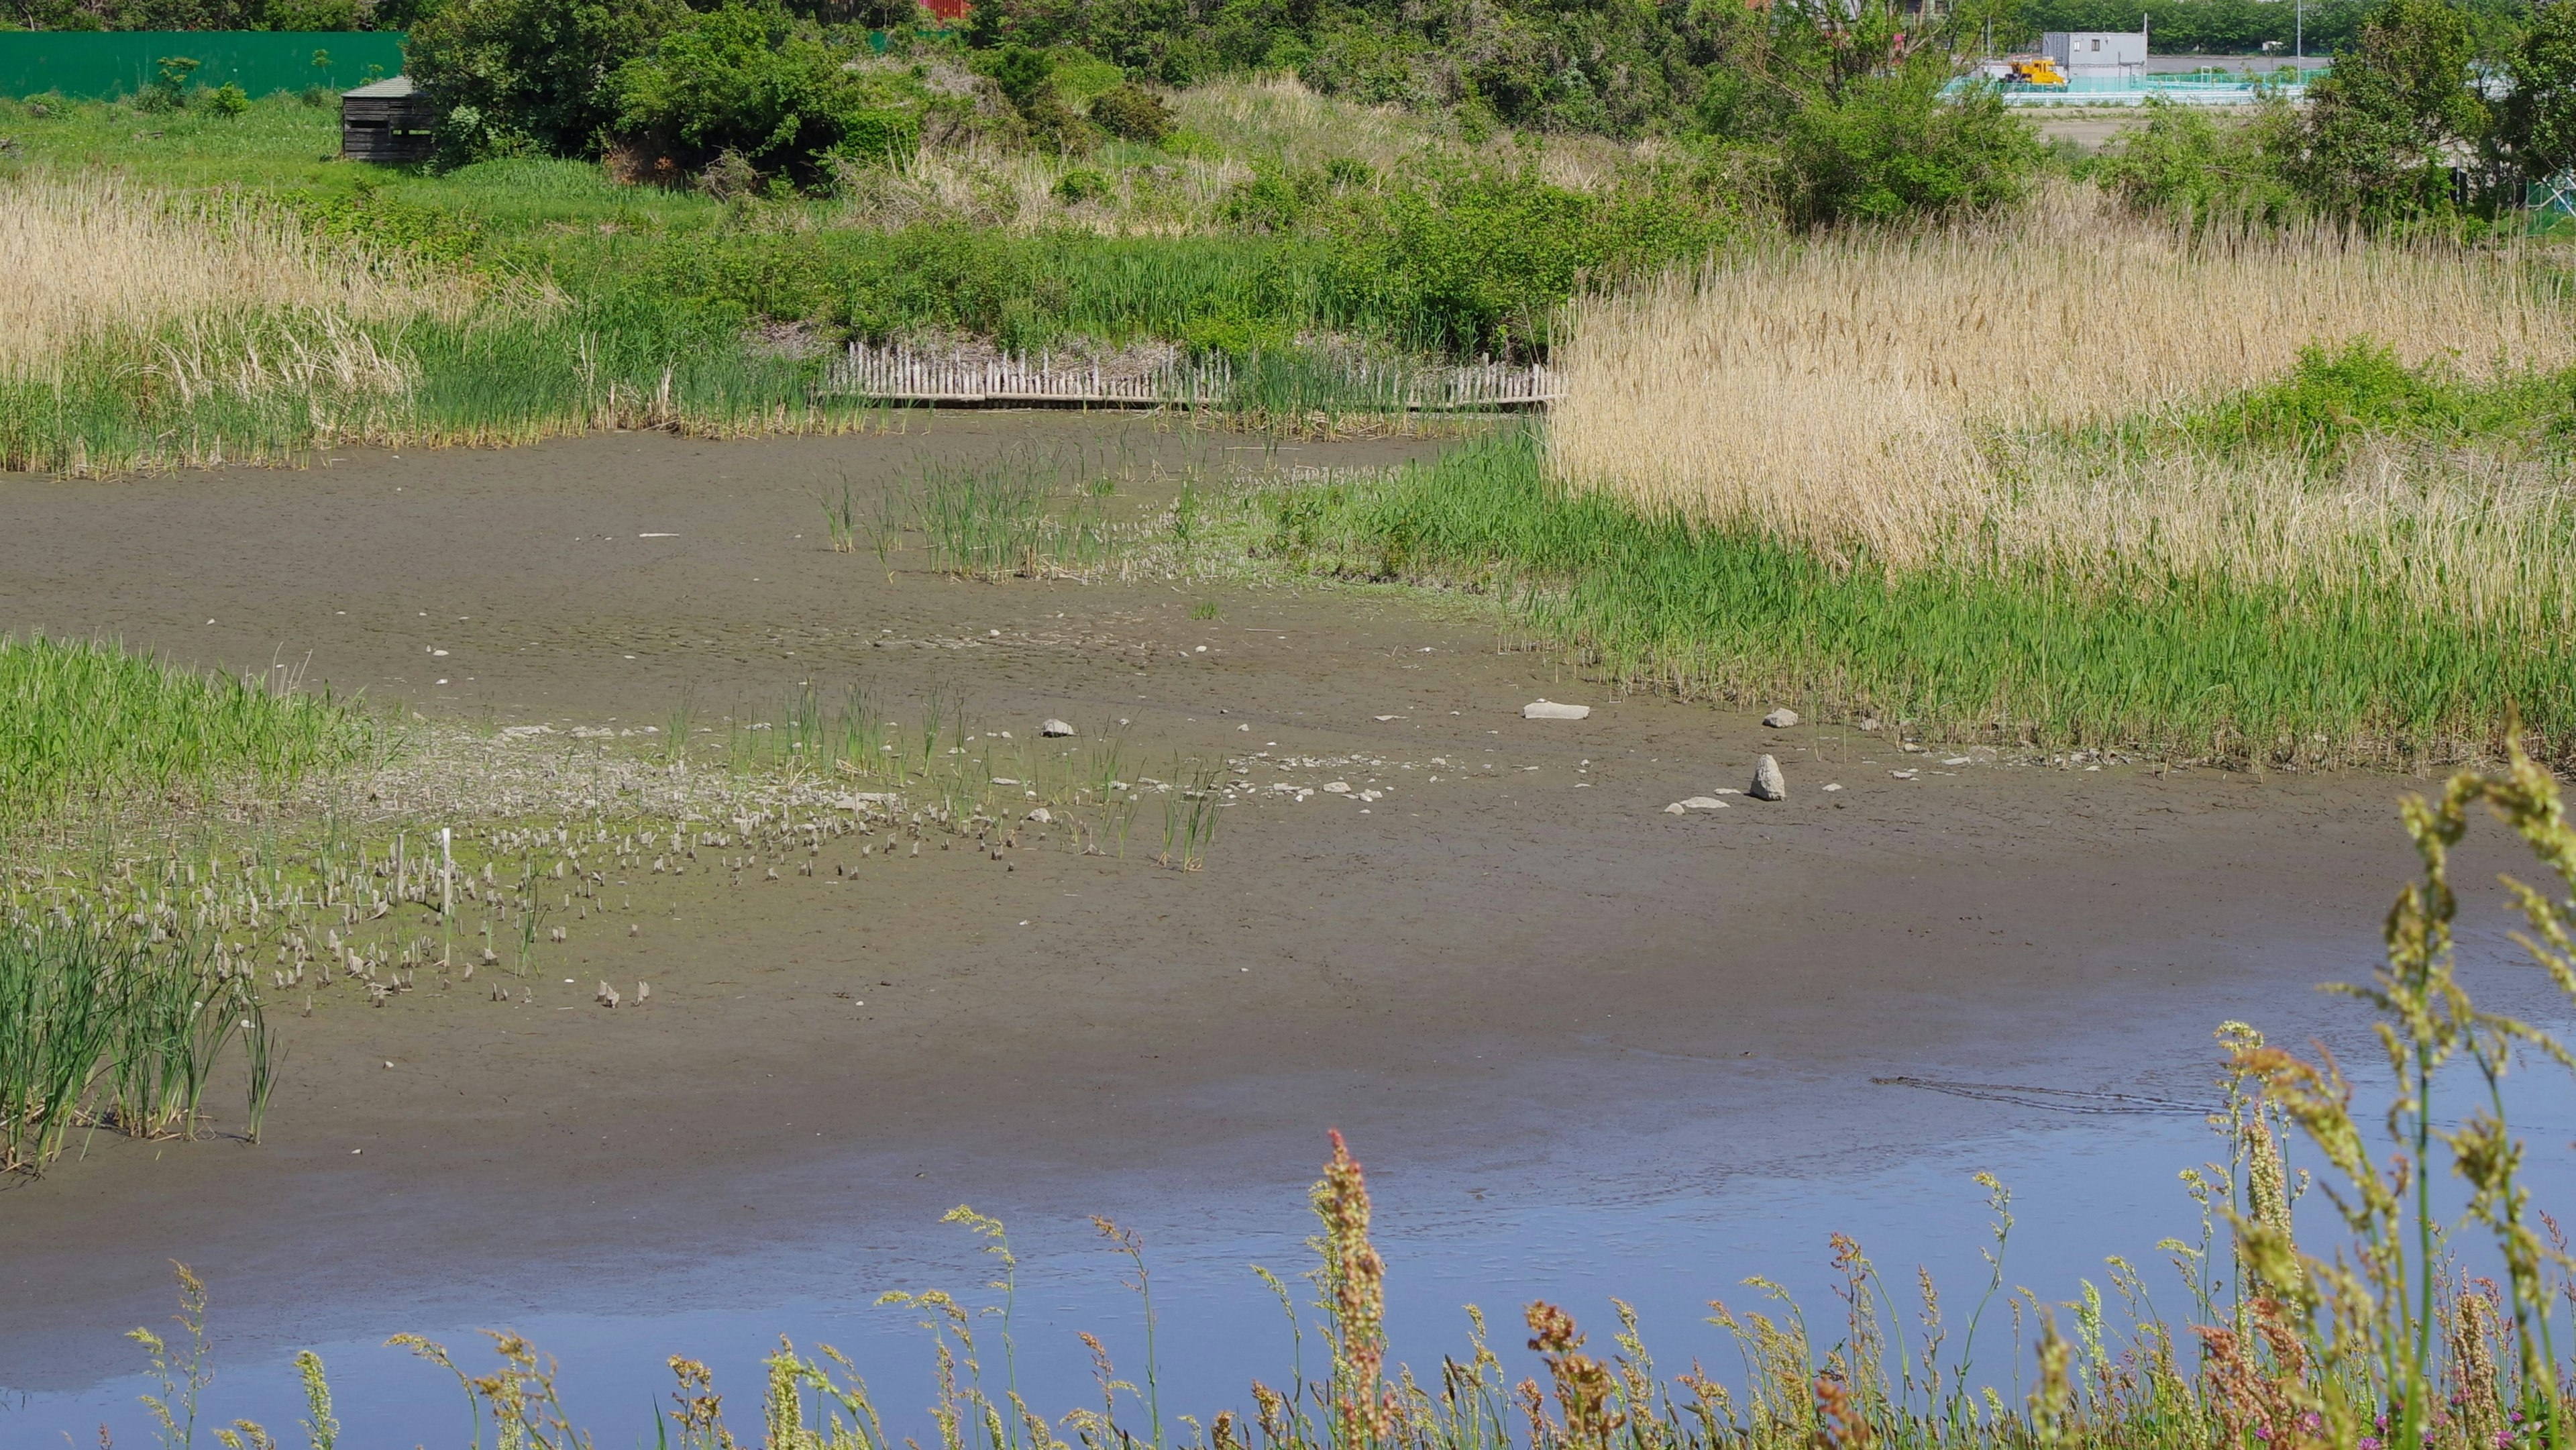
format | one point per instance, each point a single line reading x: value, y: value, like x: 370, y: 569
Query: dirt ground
x: 1446, y: 968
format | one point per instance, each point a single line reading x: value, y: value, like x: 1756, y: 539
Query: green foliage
x: 2186, y: 160
x: 169, y: 88
x: 227, y: 100
x: 1892, y: 146
x: 1081, y: 184
x: 742, y: 80
x: 1846, y: 113
x: 2536, y: 130
x: 497, y: 71
x: 2333, y: 397
x: 2381, y: 126
x: 1481, y: 262
x: 1028, y: 79
x: 1132, y: 113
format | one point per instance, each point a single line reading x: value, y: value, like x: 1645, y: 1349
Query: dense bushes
x: 739, y: 80
x: 531, y: 76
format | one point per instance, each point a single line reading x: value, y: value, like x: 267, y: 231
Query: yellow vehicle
x: 2037, y: 70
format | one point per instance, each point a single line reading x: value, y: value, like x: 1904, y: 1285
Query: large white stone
x: 1550, y: 710
x: 1781, y: 719
x: 1768, y: 783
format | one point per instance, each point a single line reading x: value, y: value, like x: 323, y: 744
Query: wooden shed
x: 385, y: 121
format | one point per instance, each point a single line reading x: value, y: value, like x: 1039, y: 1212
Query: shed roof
x: 389, y: 89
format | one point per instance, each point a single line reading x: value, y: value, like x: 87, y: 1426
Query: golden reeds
x: 92, y: 255
x: 1849, y: 393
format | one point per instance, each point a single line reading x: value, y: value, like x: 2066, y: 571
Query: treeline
x: 212, y: 14
x: 2236, y: 27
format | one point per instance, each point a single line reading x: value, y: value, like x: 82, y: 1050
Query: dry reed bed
x: 1880, y: 394
x: 94, y: 256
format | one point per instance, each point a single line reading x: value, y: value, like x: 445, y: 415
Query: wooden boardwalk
x: 898, y: 374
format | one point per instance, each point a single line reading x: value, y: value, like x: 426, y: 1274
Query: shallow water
x: 1663, y: 1202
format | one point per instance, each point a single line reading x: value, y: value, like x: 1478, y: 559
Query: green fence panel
x: 100, y: 64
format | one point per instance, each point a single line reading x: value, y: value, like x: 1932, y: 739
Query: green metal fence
x: 98, y: 64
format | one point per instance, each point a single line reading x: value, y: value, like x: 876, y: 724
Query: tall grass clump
x: 114, y: 1025
x: 87, y: 723
x: 1846, y: 394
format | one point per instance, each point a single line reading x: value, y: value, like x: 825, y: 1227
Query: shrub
x: 729, y: 177
x: 1272, y: 201
x: 2184, y: 160
x: 1132, y: 113
x: 227, y: 100
x: 1852, y: 115
x: 742, y: 81
x: 1080, y: 185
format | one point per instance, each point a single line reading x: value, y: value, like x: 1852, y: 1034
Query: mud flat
x: 1491, y: 949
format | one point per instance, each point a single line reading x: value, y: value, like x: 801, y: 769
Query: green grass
x: 86, y: 722
x: 108, y: 1025
x: 2334, y: 397
x: 2186, y: 666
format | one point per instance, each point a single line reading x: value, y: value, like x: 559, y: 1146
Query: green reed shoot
x: 841, y: 518
x: 1190, y: 802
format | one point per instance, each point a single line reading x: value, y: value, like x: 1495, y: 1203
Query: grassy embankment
x: 2075, y: 482
x: 514, y: 299
x: 2384, y: 1321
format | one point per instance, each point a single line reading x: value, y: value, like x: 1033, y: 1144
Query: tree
x: 2385, y: 126
x: 530, y: 75
x: 2536, y: 133
x: 1854, y: 113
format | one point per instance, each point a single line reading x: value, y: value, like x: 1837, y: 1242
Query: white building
x: 2117, y: 55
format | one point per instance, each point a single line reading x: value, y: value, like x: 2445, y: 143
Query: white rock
x: 1781, y: 719
x: 1956, y: 760
x: 1703, y: 803
x: 1054, y: 728
x: 1675, y: 809
x: 1337, y: 787
x: 1837, y: 785
x: 1902, y: 774
x: 1550, y: 710
x: 1768, y: 783
x: 1041, y: 816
